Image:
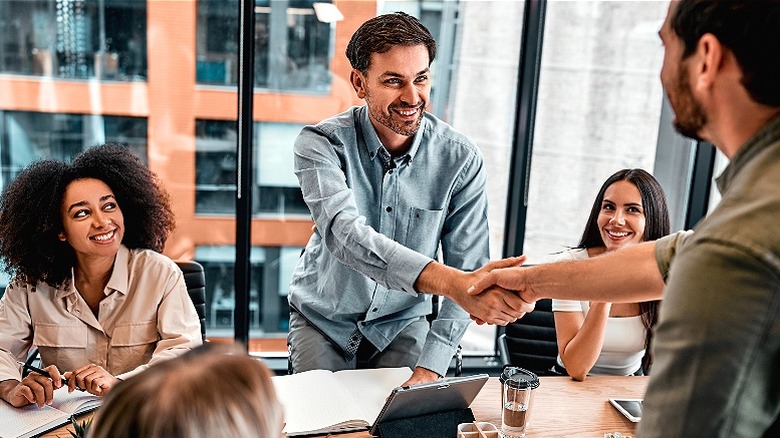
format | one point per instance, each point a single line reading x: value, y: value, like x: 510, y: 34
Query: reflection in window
x: 75, y: 39
x: 292, y: 48
x: 29, y: 136
x: 276, y: 190
x: 271, y: 272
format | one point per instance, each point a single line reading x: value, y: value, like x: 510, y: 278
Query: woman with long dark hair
x: 607, y: 338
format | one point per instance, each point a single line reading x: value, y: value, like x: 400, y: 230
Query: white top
x: 624, y: 337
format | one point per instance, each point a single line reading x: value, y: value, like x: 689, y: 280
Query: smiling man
x: 717, y: 346
x: 388, y: 185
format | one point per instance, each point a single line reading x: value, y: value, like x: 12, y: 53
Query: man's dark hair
x: 749, y: 28
x: 381, y: 33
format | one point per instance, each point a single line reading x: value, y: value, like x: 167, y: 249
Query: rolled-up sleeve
x: 666, y: 248
x: 342, y: 228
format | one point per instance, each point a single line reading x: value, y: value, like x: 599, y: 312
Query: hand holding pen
x: 37, y: 387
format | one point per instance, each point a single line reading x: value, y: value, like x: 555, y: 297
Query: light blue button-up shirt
x: 376, y: 230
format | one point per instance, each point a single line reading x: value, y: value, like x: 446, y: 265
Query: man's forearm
x: 629, y: 275
x: 437, y: 279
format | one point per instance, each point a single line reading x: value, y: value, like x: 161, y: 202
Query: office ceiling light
x: 327, y: 12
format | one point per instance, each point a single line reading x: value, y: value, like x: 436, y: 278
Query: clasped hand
x: 508, y: 279
x: 493, y: 305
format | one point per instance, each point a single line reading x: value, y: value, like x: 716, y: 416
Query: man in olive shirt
x: 717, y: 348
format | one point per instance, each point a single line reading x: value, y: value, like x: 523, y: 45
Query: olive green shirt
x: 717, y: 346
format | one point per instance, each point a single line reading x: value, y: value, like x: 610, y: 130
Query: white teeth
x: 104, y: 237
x: 618, y: 234
x: 407, y: 112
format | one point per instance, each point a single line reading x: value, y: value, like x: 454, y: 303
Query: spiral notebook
x: 30, y: 420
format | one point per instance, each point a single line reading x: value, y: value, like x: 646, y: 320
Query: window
x: 268, y: 309
x: 74, y: 39
x: 277, y: 189
x: 292, y: 48
x: 29, y: 136
x: 598, y: 111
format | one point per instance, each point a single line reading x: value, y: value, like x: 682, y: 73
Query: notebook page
x: 314, y: 401
x: 75, y: 402
x: 371, y: 387
x: 16, y: 422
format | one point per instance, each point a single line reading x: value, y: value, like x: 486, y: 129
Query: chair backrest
x: 195, y: 279
x: 530, y: 342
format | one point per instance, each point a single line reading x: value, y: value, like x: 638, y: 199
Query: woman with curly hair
x: 90, y: 288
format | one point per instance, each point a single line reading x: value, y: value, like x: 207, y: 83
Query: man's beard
x: 689, y: 118
x: 406, y: 128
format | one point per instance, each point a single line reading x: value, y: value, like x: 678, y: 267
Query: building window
x: 272, y: 267
x: 292, y: 48
x: 74, y: 39
x: 29, y: 136
x: 276, y: 190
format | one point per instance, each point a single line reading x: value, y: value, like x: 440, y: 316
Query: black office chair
x: 531, y: 343
x: 195, y: 279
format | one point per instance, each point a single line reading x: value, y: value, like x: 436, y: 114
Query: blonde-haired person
x: 212, y: 391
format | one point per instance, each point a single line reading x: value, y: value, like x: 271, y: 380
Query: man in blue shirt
x: 388, y: 185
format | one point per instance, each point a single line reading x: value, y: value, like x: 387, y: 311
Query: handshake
x: 494, y: 294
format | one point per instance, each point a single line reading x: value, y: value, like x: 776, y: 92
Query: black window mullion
x: 243, y: 270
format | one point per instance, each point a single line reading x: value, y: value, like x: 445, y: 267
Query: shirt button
x: 375, y: 309
x: 389, y: 209
x: 390, y: 171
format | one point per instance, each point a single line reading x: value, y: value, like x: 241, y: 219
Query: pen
x: 42, y: 372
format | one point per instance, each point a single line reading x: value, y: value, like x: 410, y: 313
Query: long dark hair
x: 656, y: 226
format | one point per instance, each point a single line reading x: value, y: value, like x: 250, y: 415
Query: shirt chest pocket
x: 60, y: 336
x: 135, y: 333
x: 423, y: 230
x: 132, y: 344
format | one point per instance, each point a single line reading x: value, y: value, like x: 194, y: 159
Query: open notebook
x: 321, y: 401
x: 31, y: 420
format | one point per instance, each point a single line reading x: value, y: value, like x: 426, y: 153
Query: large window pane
x: 29, y: 136
x: 276, y: 190
x: 75, y: 39
x: 268, y: 309
x: 598, y: 112
x: 292, y: 47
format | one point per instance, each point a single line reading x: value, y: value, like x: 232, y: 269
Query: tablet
x: 429, y: 398
x: 631, y: 408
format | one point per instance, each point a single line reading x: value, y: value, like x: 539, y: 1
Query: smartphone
x: 631, y: 408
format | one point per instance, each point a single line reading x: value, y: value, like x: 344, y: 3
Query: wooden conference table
x: 561, y: 407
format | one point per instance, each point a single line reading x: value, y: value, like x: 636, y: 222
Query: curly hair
x: 382, y: 33
x: 30, y: 211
